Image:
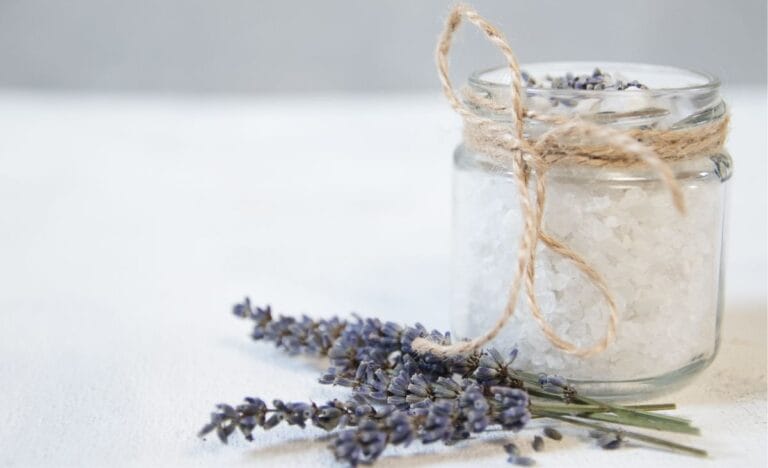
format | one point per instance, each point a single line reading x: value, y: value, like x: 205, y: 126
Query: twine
x: 569, y: 140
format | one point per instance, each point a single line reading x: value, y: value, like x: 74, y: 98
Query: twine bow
x: 531, y: 158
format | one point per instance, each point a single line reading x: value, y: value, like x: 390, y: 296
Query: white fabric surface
x: 130, y: 224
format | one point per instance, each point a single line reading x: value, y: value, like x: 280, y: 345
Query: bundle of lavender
x: 398, y: 396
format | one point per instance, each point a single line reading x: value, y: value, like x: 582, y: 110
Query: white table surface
x: 130, y: 224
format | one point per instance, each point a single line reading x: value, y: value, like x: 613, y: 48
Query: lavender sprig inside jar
x: 663, y: 268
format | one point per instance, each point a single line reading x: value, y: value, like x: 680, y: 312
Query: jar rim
x: 498, y: 77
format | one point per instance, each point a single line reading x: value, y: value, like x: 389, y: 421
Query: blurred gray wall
x: 285, y: 46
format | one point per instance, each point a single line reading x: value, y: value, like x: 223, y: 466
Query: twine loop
x: 567, y: 140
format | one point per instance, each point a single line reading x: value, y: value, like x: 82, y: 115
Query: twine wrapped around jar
x: 568, y: 140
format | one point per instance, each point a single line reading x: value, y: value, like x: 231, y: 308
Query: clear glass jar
x: 664, y: 269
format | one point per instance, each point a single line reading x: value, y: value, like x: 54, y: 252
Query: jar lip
x: 499, y: 78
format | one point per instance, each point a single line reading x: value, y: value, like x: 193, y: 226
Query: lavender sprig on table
x: 398, y: 396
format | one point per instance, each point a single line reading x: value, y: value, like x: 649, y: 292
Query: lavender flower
x: 361, y: 445
x: 512, y: 407
x: 255, y: 413
x: 475, y: 408
x: 439, y: 424
x: 494, y: 369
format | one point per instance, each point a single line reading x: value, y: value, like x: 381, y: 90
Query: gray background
x: 288, y: 46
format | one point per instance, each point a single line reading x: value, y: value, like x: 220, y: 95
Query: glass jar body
x: 663, y: 268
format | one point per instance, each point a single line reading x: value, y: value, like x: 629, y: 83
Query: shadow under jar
x: 663, y: 268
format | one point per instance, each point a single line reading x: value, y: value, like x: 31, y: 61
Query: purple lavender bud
x: 328, y: 377
x: 327, y: 417
x: 553, y: 433
x: 401, y: 431
x: 399, y: 385
x: 419, y: 386
x: 242, y: 309
x: 273, y: 421
x: 227, y: 410
x: 511, y: 448
x: 557, y: 381
x: 224, y: 431
x: 521, y: 461
x: 486, y: 374
x: 610, y: 441
x: 207, y: 428
x: 538, y: 443
x: 363, y: 410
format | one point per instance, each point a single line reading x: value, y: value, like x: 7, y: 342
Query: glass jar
x: 664, y: 269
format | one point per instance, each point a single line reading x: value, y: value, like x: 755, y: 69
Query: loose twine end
x: 510, y: 144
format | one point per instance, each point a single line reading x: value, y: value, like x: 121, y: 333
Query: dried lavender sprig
x: 254, y: 412
x: 371, y: 429
x: 294, y: 336
x: 371, y: 343
x: 352, y: 344
x: 349, y: 344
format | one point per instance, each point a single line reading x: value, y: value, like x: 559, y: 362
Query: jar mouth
x: 660, y: 79
x: 674, y: 98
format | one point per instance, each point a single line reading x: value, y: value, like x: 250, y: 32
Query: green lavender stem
x: 626, y: 420
x: 573, y: 408
x: 645, y: 423
x: 632, y: 435
x: 623, y: 411
x: 624, y: 414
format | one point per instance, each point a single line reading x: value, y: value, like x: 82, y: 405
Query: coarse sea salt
x: 663, y: 270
